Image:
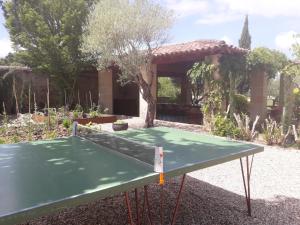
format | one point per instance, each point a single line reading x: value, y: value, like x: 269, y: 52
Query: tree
x: 296, y: 47
x: 268, y: 60
x: 10, y: 60
x: 127, y: 33
x: 47, y: 35
x: 168, y: 88
x: 244, y: 42
x: 200, y: 74
x: 290, y: 74
x: 231, y: 66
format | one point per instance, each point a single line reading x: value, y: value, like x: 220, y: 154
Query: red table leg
x: 178, y: 200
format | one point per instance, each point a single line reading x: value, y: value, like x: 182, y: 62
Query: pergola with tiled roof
x: 173, y: 61
x: 191, y: 51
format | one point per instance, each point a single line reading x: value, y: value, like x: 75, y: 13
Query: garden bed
x: 98, y: 119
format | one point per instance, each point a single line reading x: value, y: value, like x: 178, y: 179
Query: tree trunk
x: 151, y: 101
x: 151, y: 110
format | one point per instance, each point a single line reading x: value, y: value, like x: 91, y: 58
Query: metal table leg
x: 246, y: 181
x: 178, y: 200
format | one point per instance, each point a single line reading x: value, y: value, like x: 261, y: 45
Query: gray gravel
x: 212, y: 196
x: 275, y: 184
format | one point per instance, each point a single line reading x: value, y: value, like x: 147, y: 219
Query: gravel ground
x: 212, y: 196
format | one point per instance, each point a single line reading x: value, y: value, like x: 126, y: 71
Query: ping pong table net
x: 120, y: 145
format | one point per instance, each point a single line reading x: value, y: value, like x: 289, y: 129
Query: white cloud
x: 227, y: 40
x: 187, y: 7
x: 223, y: 11
x: 284, y: 41
x: 5, y: 47
x: 266, y: 8
x: 217, y: 18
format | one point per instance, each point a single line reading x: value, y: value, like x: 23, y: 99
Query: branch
x: 295, y: 133
x: 254, y: 124
x: 286, y: 135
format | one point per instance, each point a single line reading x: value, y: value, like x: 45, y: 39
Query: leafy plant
x: 272, y: 132
x: 241, y: 104
x: 212, y: 104
x: 198, y: 75
x: 225, y: 127
x: 78, y: 108
x: 168, y: 88
x: 2, y: 141
x: 97, y: 110
x: 67, y: 123
x: 231, y: 68
x: 51, y: 134
x: 267, y: 60
x: 77, y: 114
x: 15, y: 139
x: 290, y: 74
x: 93, y: 113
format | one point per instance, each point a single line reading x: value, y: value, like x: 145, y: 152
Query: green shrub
x: 93, y: 114
x: 2, y: 141
x: 78, y: 108
x: 15, y: 139
x: 51, y: 134
x: 224, y: 127
x: 67, y: 123
x: 241, y: 104
x: 168, y: 88
x: 77, y: 114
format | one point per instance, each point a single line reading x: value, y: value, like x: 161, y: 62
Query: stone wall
x: 87, y: 82
x: 105, y: 87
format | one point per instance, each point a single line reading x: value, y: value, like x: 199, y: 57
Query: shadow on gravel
x: 201, y: 203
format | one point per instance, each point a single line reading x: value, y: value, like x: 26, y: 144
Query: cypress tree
x: 243, y: 83
x: 245, y: 40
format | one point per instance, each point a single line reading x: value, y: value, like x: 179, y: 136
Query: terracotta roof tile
x: 196, y: 46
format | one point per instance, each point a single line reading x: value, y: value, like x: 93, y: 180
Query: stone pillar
x: 105, y: 87
x: 143, y: 104
x: 258, y: 93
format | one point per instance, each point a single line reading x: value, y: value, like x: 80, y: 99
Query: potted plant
x: 120, y: 125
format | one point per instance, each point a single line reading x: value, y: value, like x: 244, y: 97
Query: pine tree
x: 245, y: 40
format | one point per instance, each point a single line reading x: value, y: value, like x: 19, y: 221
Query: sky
x: 272, y: 23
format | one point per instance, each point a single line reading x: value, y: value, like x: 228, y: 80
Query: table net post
x: 74, y: 128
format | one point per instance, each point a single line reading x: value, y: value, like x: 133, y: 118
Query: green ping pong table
x: 38, y: 178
